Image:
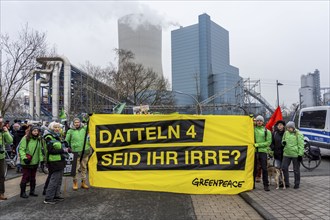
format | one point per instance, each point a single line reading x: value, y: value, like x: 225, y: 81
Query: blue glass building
x: 201, y: 65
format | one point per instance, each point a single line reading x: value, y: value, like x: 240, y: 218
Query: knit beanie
x: 291, y: 124
x: 34, y: 128
x: 76, y: 119
x: 260, y: 118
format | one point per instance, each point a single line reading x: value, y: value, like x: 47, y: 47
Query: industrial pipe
x: 31, y: 89
x: 41, y: 80
x: 67, y: 84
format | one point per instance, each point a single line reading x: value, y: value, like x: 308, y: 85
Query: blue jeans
x: 296, y: 169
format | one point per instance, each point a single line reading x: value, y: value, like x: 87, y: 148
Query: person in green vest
x: 75, y: 137
x: 5, y: 138
x: 263, y: 140
x: 293, y: 142
x: 55, y: 157
x: 30, y: 156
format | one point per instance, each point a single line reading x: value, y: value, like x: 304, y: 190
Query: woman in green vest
x: 56, y: 162
x: 30, y: 156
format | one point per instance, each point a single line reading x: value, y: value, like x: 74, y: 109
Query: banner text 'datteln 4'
x: 194, y: 154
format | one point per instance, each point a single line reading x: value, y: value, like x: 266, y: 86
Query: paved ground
x: 98, y: 203
x: 222, y: 207
x: 311, y: 201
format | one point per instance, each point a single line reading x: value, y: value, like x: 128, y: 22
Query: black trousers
x: 262, y: 158
x: 2, y: 175
x: 296, y: 169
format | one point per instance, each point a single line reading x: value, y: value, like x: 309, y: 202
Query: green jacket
x: 33, y: 146
x: 54, y: 149
x: 5, y: 138
x: 262, y: 143
x: 294, y: 146
x: 75, y: 138
x: 55, y: 153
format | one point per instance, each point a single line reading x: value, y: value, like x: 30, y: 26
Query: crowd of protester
x: 34, y: 145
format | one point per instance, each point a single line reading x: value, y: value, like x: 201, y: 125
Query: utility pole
x: 278, y: 98
x: 198, y: 104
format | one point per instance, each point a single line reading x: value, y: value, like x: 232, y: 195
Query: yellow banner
x: 195, y: 154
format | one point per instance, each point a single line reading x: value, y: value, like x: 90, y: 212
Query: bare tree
x: 18, y: 58
x: 139, y: 84
x: 91, y: 91
x: 102, y: 88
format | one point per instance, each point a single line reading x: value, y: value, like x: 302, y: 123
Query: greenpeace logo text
x: 217, y: 182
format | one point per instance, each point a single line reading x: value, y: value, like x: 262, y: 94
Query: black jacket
x: 18, y: 135
x: 276, y: 145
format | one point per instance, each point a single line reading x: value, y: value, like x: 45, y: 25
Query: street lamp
x: 278, y: 84
x: 199, y: 107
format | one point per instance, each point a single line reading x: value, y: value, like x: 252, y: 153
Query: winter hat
x: 76, y: 119
x: 34, y: 128
x: 260, y: 118
x: 53, y: 124
x: 280, y: 122
x: 291, y: 124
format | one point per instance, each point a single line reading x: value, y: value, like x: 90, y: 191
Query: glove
x: 299, y: 158
x: 284, y: 143
x: 66, y: 144
x: 67, y: 150
x: 26, y: 161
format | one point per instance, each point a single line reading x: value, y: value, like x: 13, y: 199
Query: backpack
x: 265, y: 133
x: 314, y: 153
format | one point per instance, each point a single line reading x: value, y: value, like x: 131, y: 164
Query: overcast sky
x: 269, y: 40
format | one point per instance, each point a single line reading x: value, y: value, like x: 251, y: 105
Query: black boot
x: 32, y: 188
x: 23, y: 193
x: 266, y: 188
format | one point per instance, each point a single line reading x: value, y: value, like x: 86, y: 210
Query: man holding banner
x: 76, y: 139
x: 263, y: 139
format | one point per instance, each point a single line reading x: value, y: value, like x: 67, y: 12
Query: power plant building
x: 310, y: 91
x: 142, y: 38
x: 201, y: 63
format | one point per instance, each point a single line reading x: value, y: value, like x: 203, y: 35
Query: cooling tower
x: 326, y: 98
x: 137, y: 34
x: 307, y: 97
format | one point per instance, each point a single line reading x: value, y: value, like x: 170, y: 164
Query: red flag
x: 277, y: 115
